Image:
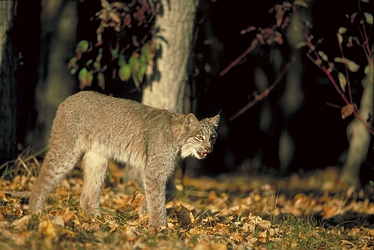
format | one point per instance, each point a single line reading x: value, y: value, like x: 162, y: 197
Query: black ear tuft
x: 191, y: 121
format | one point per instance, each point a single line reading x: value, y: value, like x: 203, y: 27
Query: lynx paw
x: 35, y: 204
x: 92, y: 212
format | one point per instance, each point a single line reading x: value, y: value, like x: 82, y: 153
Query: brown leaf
x: 91, y: 226
x: 347, y: 110
x: 346, y: 243
x: 354, y: 232
x: 185, y: 216
x: 2, y: 195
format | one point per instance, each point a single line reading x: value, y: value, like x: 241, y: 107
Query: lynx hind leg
x: 55, y: 166
x: 95, y: 167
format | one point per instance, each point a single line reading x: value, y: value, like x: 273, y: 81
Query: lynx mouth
x: 203, y: 154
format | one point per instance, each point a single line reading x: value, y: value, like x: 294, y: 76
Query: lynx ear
x: 215, y: 120
x: 191, y: 121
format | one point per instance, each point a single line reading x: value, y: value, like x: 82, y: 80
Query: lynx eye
x: 213, y: 137
x: 200, y: 137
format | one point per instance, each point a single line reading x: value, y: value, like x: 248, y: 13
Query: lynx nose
x: 208, y: 148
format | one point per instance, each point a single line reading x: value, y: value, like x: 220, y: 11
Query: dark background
x: 317, y: 129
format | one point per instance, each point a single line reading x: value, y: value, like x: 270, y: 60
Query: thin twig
x: 265, y: 92
x: 237, y: 60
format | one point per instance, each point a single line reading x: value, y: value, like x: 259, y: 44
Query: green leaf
x: 142, y: 59
x: 97, y: 66
x: 121, y: 61
x: 74, y: 70
x: 99, y: 55
x: 82, y: 46
x: 114, y: 53
x: 99, y: 39
x: 85, y: 78
x: 73, y: 62
x: 368, y: 18
x: 134, y: 62
x: 89, y: 62
x: 124, y: 72
x: 89, y: 77
x: 141, y: 72
x: 148, y: 52
x: 82, y: 73
x: 101, y: 80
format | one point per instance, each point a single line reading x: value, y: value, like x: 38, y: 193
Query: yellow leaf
x: 323, y: 55
x: 342, y: 30
x: 264, y: 224
x: 368, y: 18
x: 351, y: 65
x: 219, y: 247
x: 342, y: 81
x: 48, y: 229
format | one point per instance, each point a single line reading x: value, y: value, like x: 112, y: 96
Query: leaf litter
x: 228, y: 212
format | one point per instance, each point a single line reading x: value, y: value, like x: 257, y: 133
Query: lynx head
x: 200, y: 136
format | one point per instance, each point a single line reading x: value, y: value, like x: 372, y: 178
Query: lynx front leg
x: 170, y: 194
x: 95, y: 167
x: 155, y: 199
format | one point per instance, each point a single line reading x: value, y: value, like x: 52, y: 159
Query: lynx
x: 95, y: 129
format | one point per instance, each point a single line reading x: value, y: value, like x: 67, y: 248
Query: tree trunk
x: 173, y: 40
x: 358, y: 135
x: 173, y: 43
x: 8, y: 66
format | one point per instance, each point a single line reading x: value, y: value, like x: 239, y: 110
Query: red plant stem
x: 237, y: 60
x: 335, y: 84
x: 265, y: 92
x: 323, y: 68
x: 356, y: 114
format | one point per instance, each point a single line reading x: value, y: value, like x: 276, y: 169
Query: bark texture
x: 8, y: 66
x: 173, y: 40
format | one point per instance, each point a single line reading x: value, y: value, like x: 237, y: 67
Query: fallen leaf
x: 264, y: 224
x: 347, y: 110
x: 48, y: 229
x: 185, y: 216
x: 21, y: 224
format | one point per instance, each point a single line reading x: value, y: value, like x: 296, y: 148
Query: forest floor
x: 227, y: 212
